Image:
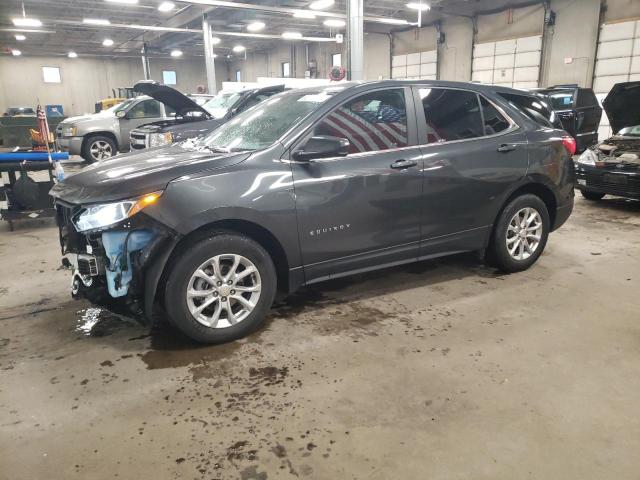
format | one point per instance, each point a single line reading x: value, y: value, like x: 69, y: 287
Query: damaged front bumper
x: 122, y: 262
x: 613, y: 171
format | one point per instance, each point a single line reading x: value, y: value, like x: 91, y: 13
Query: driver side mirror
x: 322, y: 146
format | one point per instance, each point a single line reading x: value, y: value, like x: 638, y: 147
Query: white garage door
x: 420, y: 65
x: 510, y: 63
x: 617, y: 60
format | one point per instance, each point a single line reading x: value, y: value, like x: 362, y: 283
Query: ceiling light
x: 228, y: 55
x: 321, y: 4
x: 176, y: 53
x: 334, y: 22
x: 16, y: 53
x: 107, y: 42
x: 130, y: 2
x: 304, y: 14
x: 215, y: 40
x: 256, y: 26
x: 26, y: 22
x: 20, y: 38
x: 239, y: 48
x: 72, y: 55
x: 215, y: 56
x: 418, y: 6
x: 292, y: 35
x: 392, y: 21
x: 166, y: 6
x: 96, y: 21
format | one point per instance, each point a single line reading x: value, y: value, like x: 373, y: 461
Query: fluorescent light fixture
x: 96, y: 21
x: 239, y: 48
x: 256, y: 26
x: 72, y: 55
x: 176, y: 53
x: 26, y: 22
x: 20, y: 38
x: 292, y: 35
x: 107, y: 42
x: 215, y: 40
x: 129, y: 2
x: 393, y: 21
x: 321, y: 4
x: 418, y: 6
x: 334, y: 23
x: 304, y: 14
x: 16, y: 53
x: 215, y: 55
x: 166, y: 6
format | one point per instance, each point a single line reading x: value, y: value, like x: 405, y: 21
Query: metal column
x: 355, y: 33
x: 209, y: 61
x: 145, y: 63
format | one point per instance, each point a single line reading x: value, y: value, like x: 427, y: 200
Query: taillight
x: 570, y: 144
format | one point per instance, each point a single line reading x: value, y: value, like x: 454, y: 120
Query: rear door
x: 473, y: 153
x: 362, y: 210
x: 588, y: 116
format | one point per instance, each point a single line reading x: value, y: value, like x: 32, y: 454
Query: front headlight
x: 159, y: 139
x: 588, y: 157
x: 69, y: 131
x: 107, y: 214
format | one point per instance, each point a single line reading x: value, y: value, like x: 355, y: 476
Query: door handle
x: 402, y: 164
x: 507, y: 147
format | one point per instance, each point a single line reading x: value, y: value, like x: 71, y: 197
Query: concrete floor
x: 440, y: 370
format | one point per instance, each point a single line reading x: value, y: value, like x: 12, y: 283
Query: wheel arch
x: 99, y: 133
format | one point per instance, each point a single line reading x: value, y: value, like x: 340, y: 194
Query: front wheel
x: 220, y: 288
x: 98, y: 147
x: 520, y: 234
x: 594, y: 196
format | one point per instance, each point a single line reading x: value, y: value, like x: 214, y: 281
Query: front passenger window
x: 371, y: 122
x: 145, y: 109
x: 450, y: 115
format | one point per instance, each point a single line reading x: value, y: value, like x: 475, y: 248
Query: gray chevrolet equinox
x: 314, y: 184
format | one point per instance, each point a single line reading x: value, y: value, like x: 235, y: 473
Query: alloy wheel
x: 223, y: 291
x: 101, y: 150
x: 524, y: 233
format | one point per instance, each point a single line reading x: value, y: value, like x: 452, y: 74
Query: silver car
x: 102, y: 135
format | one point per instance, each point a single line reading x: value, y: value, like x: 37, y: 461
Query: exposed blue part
x: 32, y: 156
x: 118, y: 279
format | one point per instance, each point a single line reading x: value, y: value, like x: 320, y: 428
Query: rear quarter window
x: 533, y: 107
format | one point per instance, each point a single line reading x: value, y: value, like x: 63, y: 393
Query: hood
x: 134, y: 174
x: 84, y: 118
x: 169, y: 96
x: 622, y: 105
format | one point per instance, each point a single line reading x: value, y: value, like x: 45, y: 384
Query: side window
x: 169, y: 111
x: 533, y: 107
x: 494, y: 121
x: 145, y: 109
x: 450, y: 115
x: 371, y: 122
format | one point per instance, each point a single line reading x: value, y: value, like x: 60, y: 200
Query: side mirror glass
x: 322, y: 146
x: 121, y: 114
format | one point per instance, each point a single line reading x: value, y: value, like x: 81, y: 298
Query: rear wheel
x: 98, y: 147
x: 592, y: 195
x: 220, y: 288
x: 520, y: 234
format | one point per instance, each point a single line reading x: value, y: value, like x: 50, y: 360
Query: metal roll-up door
x: 617, y: 60
x: 510, y: 63
x: 413, y: 66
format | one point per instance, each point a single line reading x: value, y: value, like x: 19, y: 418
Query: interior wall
x: 414, y: 40
x: 377, y: 56
x: 86, y: 80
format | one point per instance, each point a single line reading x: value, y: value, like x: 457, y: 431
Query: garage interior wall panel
x: 414, y: 66
x: 617, y: 60
x: 510, y: 63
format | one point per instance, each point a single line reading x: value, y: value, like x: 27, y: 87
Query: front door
x: 362, y: 210
x: 143, y: 112
x: 473, y: 153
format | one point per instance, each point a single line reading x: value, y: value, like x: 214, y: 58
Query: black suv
x: 192, y: 118
x: 578, y: 110
x: 314, y: 184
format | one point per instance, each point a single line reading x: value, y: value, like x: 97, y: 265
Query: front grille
x: 138, y: 140
x: 610, y: 183
x: 87, y: 266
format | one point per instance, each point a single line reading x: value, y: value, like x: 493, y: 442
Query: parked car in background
x: 313, y: 184
x: 99, y: 136
x: 578, y: 110
x: 20, y: 112
x: 192, y: 118
x: 613, y: 166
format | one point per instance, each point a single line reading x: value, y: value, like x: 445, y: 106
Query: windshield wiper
x: 216, y: 149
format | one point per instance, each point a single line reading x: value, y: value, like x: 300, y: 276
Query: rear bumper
x: 624, y: 183
x: 73, y: 145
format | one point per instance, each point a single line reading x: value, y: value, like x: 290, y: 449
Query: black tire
x: 498, y: 254
x: 190, y: 259
x: 593, y: 196
x: 106, y: 145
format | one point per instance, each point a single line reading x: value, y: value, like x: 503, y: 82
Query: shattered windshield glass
x: 219, y: 105
x: 630, y: 131
x: 260, y: 126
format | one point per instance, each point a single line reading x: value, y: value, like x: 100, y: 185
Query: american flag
x: 369, y: 131
x: 43, y: 125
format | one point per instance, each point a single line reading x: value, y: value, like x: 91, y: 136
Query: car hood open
x: 622, y: 105
x: 134, y: 174
x: 169, y: 96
